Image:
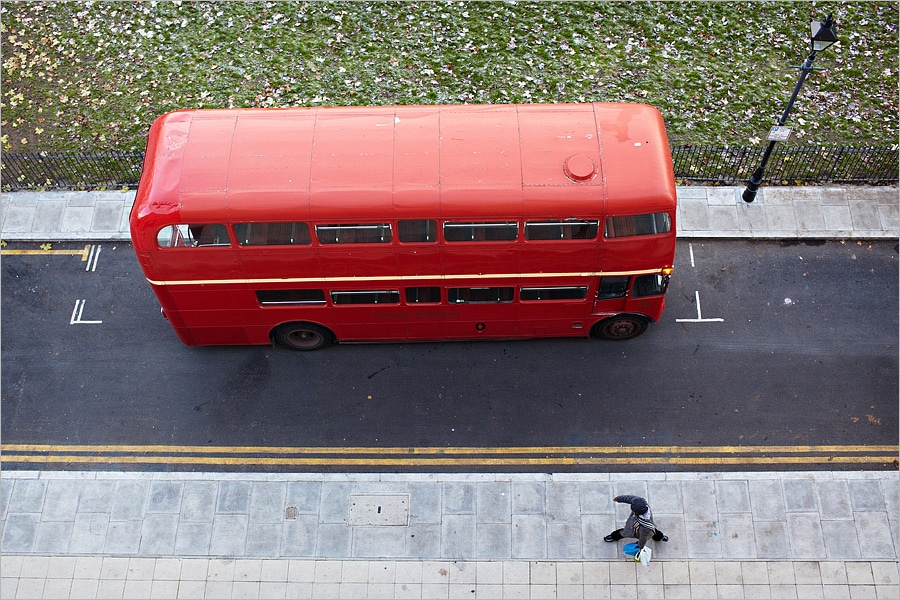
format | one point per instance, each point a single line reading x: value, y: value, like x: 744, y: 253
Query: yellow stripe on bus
x: 400, y: 278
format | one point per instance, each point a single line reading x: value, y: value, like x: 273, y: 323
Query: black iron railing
x: 717, y: 166
x: 788, y: 165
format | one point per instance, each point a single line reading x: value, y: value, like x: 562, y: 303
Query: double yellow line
x: 17, y: 252
x: 514, y: 456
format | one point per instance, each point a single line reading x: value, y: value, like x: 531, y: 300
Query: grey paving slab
x: 198, y: 501
x: 807, y: 540
x: 563, y: 501
x: 96, y: 497
x: 165, y: 496
x: 333, y: 540
x: 424, y: 541
x: 809, y: 215
x: 299, y: 537
x: 867, y: 495
x: 841, y: 541
x: 493, y: 541
x: 52, y: 537
x: 458, y: 498
x: 458, y: 536
x: 233, y: 497
x: 48, y: 216
x: 158, y: 534
x: 89, y: 533
x: 267, y: 501
x: 193, y: 539
x: 834, y: 500
x: 493, y: 502
x: 890, y: 216
x: 529, y: 537
x: 837, y: 218
x: 699, y: 500
x: 77, y: 219
x: 732, y: 496
x: 738, y: 538
x: 19, y: 531
x: 772, y: 539
x: 130, y: 500
x: 27, y: 496
x: 528, y: 497
x: 305, y: 496
x: 564, y: 539
x: 124, y: 537
x: 876, y: 535
x: 375, y: 542
x: 334, y: 502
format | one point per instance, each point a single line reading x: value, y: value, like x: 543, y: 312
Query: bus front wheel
x: 621, y: 327
x: 303, y: 336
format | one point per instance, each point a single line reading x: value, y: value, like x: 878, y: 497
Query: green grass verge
x: 92, y: 76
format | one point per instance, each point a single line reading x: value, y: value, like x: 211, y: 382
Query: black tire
x: 303, y: 336
x: 621, y: 327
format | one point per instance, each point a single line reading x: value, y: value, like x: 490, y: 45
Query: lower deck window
x: 485, y: 295
x: 615, y: 286
x: 275, y: 297
x: 648, y: 285
x: 366, y: 297
x: 554, y: 293
x: 417, y: 295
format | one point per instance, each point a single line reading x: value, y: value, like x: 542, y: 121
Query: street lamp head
x: 823, y: 34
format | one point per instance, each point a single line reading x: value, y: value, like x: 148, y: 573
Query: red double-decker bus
x: 308, y: 226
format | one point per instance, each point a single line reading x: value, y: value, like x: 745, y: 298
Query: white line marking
x: 699, y: 318
x: 77, y: 312
x: 691, y: 247
x: 93, y: 258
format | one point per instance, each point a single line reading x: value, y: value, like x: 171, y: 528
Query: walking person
x: 639, y: 525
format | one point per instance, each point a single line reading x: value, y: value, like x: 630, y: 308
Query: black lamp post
x: 822, y: 37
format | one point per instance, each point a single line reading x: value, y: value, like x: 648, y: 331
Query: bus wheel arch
x: 620, y: 327
x: 300, y: 335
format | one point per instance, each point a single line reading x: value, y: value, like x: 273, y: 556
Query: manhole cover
x: 369, y: 509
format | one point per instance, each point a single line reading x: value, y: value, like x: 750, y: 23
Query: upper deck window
x: 271, y: 234
x: 354, y: 233
x: 481, y: 232
x: 417, y: 231
x: 561, y: 230
x: 193, y: 236
x: 633, y: 225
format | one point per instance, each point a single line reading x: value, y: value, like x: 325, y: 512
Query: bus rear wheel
x: 303, y: 336
x: 621, y: 327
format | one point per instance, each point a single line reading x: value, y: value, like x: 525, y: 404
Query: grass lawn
x: 92, y: 76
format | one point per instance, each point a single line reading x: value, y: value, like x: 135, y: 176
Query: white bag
x: 644, y: 556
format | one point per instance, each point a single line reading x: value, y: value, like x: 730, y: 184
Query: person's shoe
x: 665, y: 538
x: 609, y: 538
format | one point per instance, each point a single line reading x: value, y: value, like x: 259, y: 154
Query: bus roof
x: 445, y: 161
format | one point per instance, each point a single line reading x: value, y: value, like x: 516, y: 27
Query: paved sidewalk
x: 193, y: 535
x: 861, y: 212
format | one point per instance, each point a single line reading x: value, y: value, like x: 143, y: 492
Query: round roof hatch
x: 579, y: 168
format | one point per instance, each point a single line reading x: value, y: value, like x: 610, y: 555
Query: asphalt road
x: 791, y: 353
